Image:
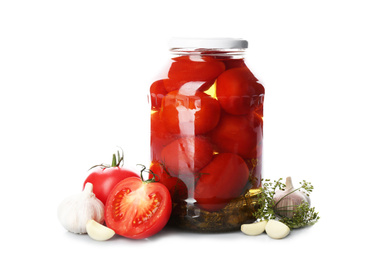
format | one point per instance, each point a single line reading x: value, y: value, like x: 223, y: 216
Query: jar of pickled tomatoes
x: 207, y: 132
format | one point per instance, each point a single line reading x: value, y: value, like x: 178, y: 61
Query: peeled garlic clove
x: 254, y: 229
x: 276, y: 229
x: 99, y: 232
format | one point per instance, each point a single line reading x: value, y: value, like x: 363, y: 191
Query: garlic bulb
x: 287, y: 200
x: 75, y: 211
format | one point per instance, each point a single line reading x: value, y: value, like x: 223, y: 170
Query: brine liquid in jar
x: 206, y: 134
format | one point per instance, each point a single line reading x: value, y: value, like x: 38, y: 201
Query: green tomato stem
x: 153, y: 179
x: 113, y: 163
x: 117, y: 160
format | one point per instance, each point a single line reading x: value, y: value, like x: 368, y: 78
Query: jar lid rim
x: 212, y: 43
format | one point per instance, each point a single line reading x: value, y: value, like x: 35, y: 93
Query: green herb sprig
x: 303, y: 215
x: 265, y: 201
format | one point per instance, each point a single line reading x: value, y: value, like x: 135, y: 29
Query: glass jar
x: 206, y: 134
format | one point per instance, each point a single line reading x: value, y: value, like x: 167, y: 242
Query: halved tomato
x: 138, y: 209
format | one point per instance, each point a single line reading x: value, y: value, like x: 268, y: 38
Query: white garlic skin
x: 75, y: 211
x: 289, y: 203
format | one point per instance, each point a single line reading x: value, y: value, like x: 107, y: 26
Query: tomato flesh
x: 136, y: 209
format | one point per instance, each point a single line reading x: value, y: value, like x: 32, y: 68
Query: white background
x: 74, y: 77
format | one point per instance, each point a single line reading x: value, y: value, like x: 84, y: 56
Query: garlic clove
x: 98, y: 232
x: 276, y: 229
x: 254, y: 229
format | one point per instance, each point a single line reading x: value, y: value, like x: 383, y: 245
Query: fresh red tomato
x: 238, y: 134
x: 187, y: 155
x: 137, y: 209
x: 189, y: 113
x: 202, y: 69
x: 176, y: 186
x: 222, y: 180
x: 238, y: 91
x: 105, y: 177
x: 157, y: 92
x: 159, y: 136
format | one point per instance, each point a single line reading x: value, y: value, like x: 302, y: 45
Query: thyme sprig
x: 303, y: 214
x: 265, y: 201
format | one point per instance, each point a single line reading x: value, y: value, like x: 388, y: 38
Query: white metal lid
x: 212, y: 43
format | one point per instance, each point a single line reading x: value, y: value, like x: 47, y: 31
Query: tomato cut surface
x: 137, y: 209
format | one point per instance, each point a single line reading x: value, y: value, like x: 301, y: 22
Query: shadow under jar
x: 206, y: 134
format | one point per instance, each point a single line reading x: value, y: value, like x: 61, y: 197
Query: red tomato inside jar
x: 207, y: 132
